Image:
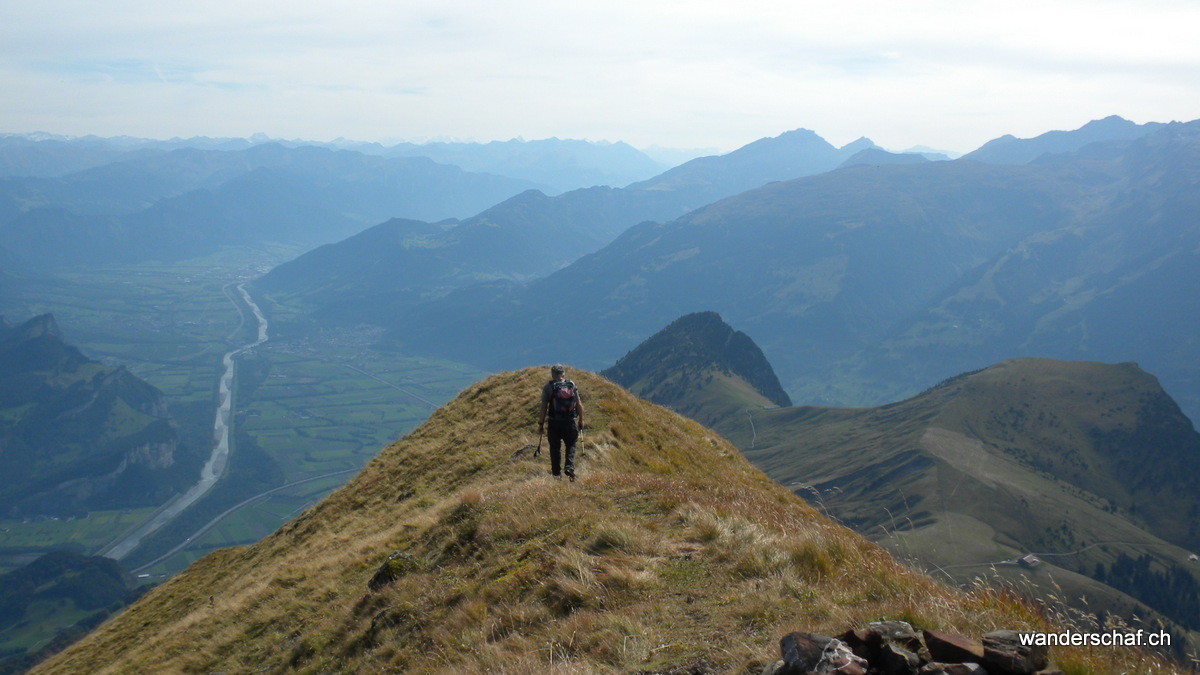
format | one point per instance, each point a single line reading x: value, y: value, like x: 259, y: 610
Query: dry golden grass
x: 670, y: 550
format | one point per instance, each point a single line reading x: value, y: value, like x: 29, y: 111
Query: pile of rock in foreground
x: 894, y: 648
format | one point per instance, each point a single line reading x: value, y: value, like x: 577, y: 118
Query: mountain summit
x: 454, y: 551
x: 702, y: 368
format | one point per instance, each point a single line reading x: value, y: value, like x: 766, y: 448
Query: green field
x: 315, y: 414
x: 313, y: 405
x: 22, y: 540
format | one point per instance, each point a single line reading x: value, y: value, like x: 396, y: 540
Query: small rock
x: 1003, y: 654
x: 936, y: 668
x: 801, y: 651
x: 893, y: 631
x: 858, y: 641
x: 867, y: 642
x: 952, y: 648
x: 896, y: 660
x: 818, y: 655
x: 774, y: 668
x: 397, y: 565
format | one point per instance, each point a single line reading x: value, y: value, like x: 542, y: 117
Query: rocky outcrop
x: 397, y: 565
x: 896, y: 648
x: 81, y: 435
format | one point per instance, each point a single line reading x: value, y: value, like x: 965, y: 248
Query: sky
x: 949, y: 74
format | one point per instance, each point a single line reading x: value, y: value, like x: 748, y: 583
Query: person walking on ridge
x: 562, y: 404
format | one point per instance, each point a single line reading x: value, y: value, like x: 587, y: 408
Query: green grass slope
x: 670, y: 551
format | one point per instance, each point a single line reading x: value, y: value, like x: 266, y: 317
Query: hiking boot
x: 571, y: 474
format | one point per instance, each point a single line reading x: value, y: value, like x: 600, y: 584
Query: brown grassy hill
x: 670, y: 551
x: 1089, y: 465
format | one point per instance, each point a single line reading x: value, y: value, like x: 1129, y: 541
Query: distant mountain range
x: 879, y: 157
x: 563, y: 165
x: 529, y: 235
x: 79, y: 434
x: 1009, y: 149
x: 188, y: 202
x: 870, y: 283
x: 1087, y: 463
x: 560, y: 164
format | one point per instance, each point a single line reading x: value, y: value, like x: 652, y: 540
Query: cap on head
x: 557, y: 369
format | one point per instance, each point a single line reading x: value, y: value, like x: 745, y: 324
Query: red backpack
x: 563, y: 396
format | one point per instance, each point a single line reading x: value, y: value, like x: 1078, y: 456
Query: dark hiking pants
x: 562, y: 432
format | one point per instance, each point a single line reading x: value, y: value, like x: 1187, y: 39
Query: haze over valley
x: 390, y: 281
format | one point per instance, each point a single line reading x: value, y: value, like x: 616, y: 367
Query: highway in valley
x: 218, y: 461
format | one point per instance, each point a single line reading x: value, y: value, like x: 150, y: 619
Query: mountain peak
x: 38, y: 326
x: 1111, y: 120
x: 1008, y: 149
x: 858, y: 145
x: 43, y: 325
x: 876, y: 156
x: 702, y: 367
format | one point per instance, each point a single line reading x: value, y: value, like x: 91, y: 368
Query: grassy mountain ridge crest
x: 670, y: 552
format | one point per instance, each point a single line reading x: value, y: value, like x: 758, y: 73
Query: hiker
x: 561, y: 401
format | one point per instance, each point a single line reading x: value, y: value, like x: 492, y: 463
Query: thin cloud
x: 940, y: 73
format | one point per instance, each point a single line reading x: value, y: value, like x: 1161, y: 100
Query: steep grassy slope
x: 1087, y: 463
x: 670, y: 551
x: 1029, y: 455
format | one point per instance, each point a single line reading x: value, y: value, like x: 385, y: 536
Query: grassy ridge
x: 1089, y: 464
x: 670, y: 551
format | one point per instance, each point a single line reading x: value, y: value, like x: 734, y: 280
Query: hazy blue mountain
x: 1119, y: 284
x: 792, y: 154
x: 133, y: 184
x: 701, y: 367
x: 830, y: 273
x: 24, y: 156
x: 558, y: 164
x: 812, y: 267
x: 202, y: 200
x: 879, y: 157
x: 676, y: 156
x: 532, y: 234
x: 933, y: 154
x: 75, y: 434
x: 1011, y: 150
x: 562, y: 164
